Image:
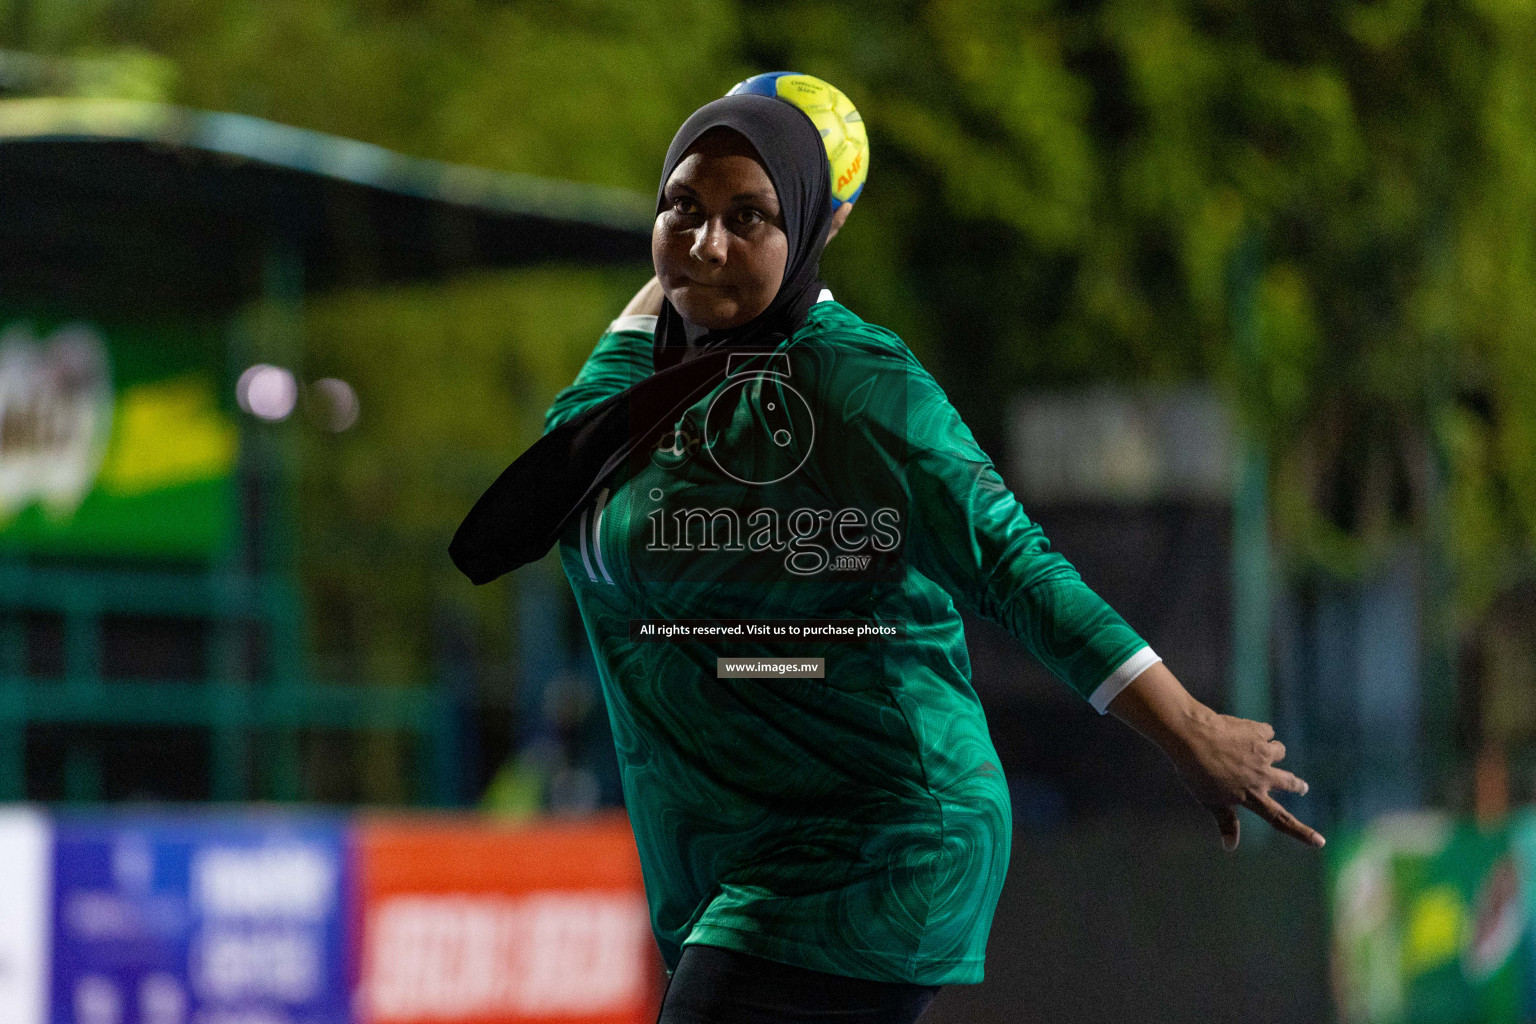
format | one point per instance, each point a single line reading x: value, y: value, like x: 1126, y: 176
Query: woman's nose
x: 709, y: 243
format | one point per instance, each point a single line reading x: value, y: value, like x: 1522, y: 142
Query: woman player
x: 822, y: 824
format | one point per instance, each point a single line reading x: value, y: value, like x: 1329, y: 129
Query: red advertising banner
x: 466, y: 921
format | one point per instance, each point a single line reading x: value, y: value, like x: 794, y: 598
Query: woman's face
x: 719, y: 243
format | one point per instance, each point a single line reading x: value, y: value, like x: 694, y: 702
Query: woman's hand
x: 1228, y: 762
x: 1225, y: 762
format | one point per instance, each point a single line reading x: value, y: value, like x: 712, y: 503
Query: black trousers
x: 721, y: 986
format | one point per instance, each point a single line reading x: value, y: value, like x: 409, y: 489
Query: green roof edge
x: 331, y: 156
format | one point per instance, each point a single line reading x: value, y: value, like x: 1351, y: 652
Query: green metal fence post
x: 1250, y: 513
x: 230, y: 579
x: 13, y: 706
x: 83, y: 687
x: 282, y: 313
x: 228, y: 692
x: 1438, y: 650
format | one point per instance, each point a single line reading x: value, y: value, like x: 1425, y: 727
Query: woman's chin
x: 712, y: 315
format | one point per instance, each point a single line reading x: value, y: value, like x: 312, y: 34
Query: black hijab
x: 523, y: 514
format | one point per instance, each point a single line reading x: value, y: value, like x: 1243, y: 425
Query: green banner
x: 115, y: 439
x: 1430, y: 923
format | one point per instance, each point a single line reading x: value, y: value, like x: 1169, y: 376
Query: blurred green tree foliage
x: 1093, y: 167
x: 1057, y: 189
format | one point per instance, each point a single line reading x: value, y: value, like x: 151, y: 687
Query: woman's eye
x: 750, y: 216
x: 684, y: 205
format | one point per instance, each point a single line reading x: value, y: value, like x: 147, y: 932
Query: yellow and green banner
x: 1431, y: 921
x: 115, y: 439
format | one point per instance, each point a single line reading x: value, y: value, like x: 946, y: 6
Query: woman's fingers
x: 1267, y: 808
x: 1226, y: 821
x: 1282, y: 779
x: 1234, y: 766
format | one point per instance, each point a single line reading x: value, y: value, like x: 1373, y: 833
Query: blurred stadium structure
x: 156, y: 265
x: 155, y: 258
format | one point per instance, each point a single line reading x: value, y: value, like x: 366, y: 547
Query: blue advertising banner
x: 200, y: 919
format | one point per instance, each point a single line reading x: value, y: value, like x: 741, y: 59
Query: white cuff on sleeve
x: 1121, y: 677
x: 642, y: 322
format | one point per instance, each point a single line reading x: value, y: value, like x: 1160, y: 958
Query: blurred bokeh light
x: 335, y: 404
x: 267, y: 392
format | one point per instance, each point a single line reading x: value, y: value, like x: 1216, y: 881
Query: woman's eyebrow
x: 755, y: 197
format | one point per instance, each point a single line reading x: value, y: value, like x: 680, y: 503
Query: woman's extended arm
x: 1225, y: 762
x: 977, y: 542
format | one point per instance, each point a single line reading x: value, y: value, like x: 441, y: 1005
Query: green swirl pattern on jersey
x: 857, y: 824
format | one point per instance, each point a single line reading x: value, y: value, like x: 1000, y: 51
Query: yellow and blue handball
x: 833, y: 114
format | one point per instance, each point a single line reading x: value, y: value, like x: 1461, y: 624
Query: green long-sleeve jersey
x: 857, y: 823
